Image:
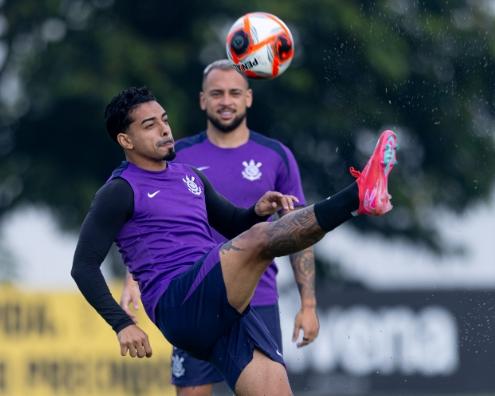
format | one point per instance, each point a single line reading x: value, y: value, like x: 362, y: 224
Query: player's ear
x: 249, y: 97
x: 202, y: 101
x: 125, y: 141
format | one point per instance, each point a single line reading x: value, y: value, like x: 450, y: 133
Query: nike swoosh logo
x: 152, y: 195
x: 278, y: 352
x: 202, y: 168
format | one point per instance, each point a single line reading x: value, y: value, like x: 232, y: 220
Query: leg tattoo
x: 293, y: 232
x: 229, y: 245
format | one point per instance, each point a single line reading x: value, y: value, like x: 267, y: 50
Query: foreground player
x: 196, y: 291
x: 241, y: 165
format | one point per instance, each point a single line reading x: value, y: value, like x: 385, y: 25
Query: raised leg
x: 245, y: 258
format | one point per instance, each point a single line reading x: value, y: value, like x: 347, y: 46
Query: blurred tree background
x: 423, y: 68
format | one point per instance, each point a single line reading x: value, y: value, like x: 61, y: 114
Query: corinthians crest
x: 178, y: 369
x: 251, y: 170
x: 191, y: 185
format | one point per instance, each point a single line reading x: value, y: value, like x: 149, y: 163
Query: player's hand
x: 273, y: 201
x: 307, y: 321
x: 130, y: 295
x: 135, y: 341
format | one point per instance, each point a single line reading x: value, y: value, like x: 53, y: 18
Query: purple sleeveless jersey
x: 168, y: 231
x: 243, y: 174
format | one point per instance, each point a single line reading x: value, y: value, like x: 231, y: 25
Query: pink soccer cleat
x: 372, y: 181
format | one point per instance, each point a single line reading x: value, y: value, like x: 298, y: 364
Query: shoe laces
x: 354, y: 172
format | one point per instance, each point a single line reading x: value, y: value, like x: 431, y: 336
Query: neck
x: 232, y: 139
x: 147, y: 164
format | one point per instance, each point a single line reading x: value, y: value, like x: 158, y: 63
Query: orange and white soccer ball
x: 260, y: 45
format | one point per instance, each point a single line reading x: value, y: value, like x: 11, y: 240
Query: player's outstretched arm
x: 110, y: 209
x: 230, y: 220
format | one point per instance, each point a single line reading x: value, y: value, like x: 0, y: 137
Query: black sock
x: 337, y: 208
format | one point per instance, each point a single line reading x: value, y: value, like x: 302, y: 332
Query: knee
x: 258, y: 237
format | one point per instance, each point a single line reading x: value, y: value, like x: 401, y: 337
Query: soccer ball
x: 260, y: 45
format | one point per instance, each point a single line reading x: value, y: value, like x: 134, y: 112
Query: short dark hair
x: 221, y: 64
x: 117, y: 111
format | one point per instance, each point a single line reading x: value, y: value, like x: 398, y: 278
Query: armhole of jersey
x: 274, y: 145
x: 133, y: 195
x: 286, y: 158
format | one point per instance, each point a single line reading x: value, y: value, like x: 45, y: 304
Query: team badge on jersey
x: 191, y: 185
x: 251, y: 170
x: 178, y: 369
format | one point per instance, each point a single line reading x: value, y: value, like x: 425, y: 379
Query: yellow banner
x: 56, y: 344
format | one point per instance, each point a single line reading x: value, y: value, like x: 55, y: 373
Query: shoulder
x: 117, y: 183
x: 115, y: 187
x: 276, y: 146
x: 190, y: 141
x: 119, y: 171
x: 114, y: 198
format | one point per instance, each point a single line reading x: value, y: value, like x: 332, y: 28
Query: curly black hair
x: 117, y: 111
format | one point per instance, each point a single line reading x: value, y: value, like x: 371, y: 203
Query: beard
x: 170, y: 155
x: 223, y: 127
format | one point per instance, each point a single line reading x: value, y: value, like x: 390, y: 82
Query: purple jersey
x: 243, y: 174
x: 168, y: 231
